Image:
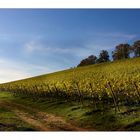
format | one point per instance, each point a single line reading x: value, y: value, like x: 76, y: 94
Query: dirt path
x: 42, y: 121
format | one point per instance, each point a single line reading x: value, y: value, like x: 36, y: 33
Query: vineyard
x: 110, y: 84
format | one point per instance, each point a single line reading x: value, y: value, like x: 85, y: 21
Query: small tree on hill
x: 122, y: 51
x: 136, y: 48
x: 103, y: 57
x: 88, y: 61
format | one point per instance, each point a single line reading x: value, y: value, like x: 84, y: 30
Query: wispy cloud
x: 71, y: 53
x: 38, y: 46
x: 11, y: 70
x: 32, y: 46
x: 116, y: 35
x: 123, y: 36
x: 99, y: 40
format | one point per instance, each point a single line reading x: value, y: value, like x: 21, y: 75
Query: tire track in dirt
x: 40, y: 120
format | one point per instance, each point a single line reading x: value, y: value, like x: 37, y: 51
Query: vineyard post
x: 50, y: 92
x: 137, y: 90
x: 37, y: 91
x: 94, y: 100
x: 114, y: 97
x: 66, y: 91
x: 79, y: 92
x: 56, y: 90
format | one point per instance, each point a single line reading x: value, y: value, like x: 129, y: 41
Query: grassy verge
x: 8, y: 120
x: 83, y: 116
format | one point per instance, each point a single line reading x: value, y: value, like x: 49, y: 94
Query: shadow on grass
x: 101, y: 119
x: 14, y: 127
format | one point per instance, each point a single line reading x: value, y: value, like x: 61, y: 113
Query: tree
x: 136, y: 48
x: 122, y: 51
x: 88, y: 61
x: 103, y: 57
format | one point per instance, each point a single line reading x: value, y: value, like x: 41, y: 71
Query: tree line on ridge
x: 122, y: 51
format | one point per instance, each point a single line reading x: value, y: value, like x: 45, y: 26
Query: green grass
x: 10, y: 122
x: 82, y: 116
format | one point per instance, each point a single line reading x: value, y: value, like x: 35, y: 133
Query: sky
x: 40, y: 41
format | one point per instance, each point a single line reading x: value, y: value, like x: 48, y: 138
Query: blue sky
x: 39, y: 41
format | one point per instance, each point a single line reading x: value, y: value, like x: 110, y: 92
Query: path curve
x: 42, y: 121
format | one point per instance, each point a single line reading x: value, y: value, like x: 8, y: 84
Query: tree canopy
x: 122, y: 51
x: 88, y: 61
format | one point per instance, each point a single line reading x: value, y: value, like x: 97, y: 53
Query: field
x: 95, y: 97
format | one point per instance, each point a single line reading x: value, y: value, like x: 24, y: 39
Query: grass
x: 10, y: 122
x: 82, y: 116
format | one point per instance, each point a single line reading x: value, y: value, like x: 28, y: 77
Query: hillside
x: 126, y: 67
x: 103, y: 96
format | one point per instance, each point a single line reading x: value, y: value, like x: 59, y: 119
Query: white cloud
x: 78, y: 52
x: 11, y: 70
x: 102, y: 38
x: 104, y: 41
x: 37, y: 46
x: 32, y: 46
x: 124, y: 36
x: 93, y: 45
x: 117, y: 35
